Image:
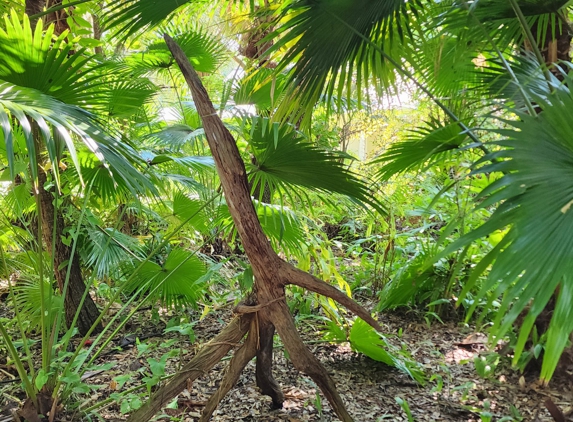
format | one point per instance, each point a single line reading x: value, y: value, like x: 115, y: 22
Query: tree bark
x: 271, y: 273
x: 52, y: 232
x: 53, y: 220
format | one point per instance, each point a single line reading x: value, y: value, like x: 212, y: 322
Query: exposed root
x: 238, y: 362
x: 307, y: 281
x: 305, y: 361
x: 203, y: 361
x: 264, y: 375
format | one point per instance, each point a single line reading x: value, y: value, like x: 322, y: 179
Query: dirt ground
x: 371, y: 390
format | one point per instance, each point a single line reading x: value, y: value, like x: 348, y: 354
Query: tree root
x: 264, y: 375
x: 305, y: 361
x: 203, y: 361
x: 238, y: 362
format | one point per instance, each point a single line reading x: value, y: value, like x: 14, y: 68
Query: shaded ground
x: 455, y: 391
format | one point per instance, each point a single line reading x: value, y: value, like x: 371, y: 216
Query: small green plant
x: 486, y: 364
x: 406, y: 408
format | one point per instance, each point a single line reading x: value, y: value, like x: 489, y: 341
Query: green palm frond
x: 176, y: 136
x: 59, y: 121
x: 280, y: 224
x: 126, y: 97
x: 7, y: 6
x: 54, y: 67
x: 37, y: 80
x: 284, y: 159
x: 498, y: 84
x: 178, y: 281
x: 128, y: 17
x: 497, y: 19
x: 330, y: 45
x: 106, y: 250
x: 262, y: 88
x: 536, y: 195
x: 204, y: 51
x: 190, y: 210
x: 423, y: 147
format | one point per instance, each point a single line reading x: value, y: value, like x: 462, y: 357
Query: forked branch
x: 314, y: 284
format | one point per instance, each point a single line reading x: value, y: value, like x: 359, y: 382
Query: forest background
x: 297, y: 161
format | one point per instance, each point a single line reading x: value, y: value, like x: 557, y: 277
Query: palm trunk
x: 53, y: 220
x: 52, y: 232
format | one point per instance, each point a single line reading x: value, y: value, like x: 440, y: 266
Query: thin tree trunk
x: 271, y: 273
x: 53, y: 220
x: 52, y: 232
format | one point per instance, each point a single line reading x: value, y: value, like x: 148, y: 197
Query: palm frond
x: 128, y: 17
x: 262, y: 88
x: 107, y: 250
x: 424, y: 146
x: 204, y: 51
x: 54, y: 67
x: 330, y: 45
x: 190, y: 210
x: 174, y: 137
x: 280, y: 224
x: 117, y: 157
x: 535, y: 195
x: 283, y: 159
x: 178, y: 281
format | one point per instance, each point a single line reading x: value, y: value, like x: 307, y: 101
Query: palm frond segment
x: 333, y: 45
x: 128, y: 17
x: 175, y: 281
x: 204, y: 51
x: 423, y: 147
x: 283, y: 159
x: 535, y: 195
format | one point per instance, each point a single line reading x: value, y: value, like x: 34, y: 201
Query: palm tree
x: 43, y: 87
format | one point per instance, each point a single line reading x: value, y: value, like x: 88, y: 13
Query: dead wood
x: 238, y: 362
x: 271, y: 275
x: 207, y: 357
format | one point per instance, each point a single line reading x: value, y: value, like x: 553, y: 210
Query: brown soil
x: 454, y: 391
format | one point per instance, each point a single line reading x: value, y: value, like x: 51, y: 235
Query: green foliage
x: 365, y: 339
x: 316, y: 29
x: 535, y: 197
x: 177, y: 279
x: 283, y: 159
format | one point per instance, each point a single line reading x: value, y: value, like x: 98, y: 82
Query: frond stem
x: 532, y: 41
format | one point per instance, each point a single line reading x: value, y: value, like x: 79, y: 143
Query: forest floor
x: 454, y: 391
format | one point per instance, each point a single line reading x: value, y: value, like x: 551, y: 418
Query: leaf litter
x: 371, y: 390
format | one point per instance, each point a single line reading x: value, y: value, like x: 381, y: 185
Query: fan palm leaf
x: 535, y: 255
x: 424, y: 147
x: 284, y: 159
x: 332, y: 46
x: 107, y: 250
x: 48, y: 84
x: 178, y: 281
x: 205, y: 52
